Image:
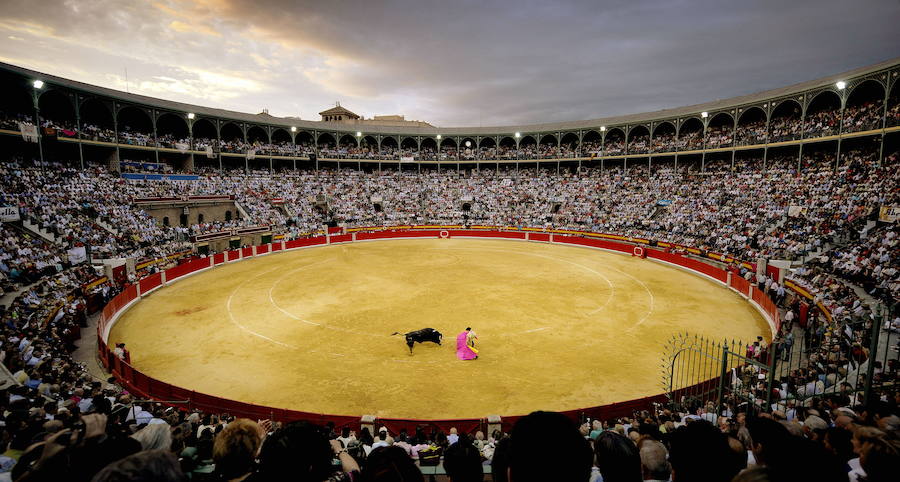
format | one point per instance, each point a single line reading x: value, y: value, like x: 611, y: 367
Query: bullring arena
x: 559, y: 327
x: 573, y: 265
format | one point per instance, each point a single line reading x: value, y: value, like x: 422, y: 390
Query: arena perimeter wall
x: 142, y: 385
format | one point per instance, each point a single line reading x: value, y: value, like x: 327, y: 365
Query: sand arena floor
x: 559, y: 327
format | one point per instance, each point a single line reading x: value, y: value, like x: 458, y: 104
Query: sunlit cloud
x: 466, y: 62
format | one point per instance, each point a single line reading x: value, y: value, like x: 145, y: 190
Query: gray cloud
x: 451, y: 63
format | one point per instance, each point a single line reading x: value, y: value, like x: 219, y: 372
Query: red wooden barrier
x: 150, y: 282
x: 740, y: 284
x: 341, y: 238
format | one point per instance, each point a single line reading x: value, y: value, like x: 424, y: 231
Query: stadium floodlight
x: 602, y: 128
x: 38, y: 84
x: 358, y: 134
x: 439, y: 137
x: 518, y: 135
x: 293, y: 128
x: 704, y: 114
x: 840, y: 85
x: 191, y: 115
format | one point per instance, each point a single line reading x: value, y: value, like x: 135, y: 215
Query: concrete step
x: 35, y: 229
x: 108, y: 227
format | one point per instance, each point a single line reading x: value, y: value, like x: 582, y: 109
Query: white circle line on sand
x: 303, y: 320
x: 612, y: 288
x: 244, y: 328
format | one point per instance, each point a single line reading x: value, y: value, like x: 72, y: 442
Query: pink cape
x: 463, y: 352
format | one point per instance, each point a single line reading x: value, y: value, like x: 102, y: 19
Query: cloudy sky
x: 451, y: 63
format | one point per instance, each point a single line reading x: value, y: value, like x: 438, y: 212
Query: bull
x: 421, y: 336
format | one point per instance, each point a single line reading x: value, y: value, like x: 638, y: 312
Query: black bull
x: 421, y: 336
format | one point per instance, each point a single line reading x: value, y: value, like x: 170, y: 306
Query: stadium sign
x: 887, y: 214
x: 9, y: 214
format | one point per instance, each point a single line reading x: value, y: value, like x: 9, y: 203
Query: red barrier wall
x: 593, y: 243
x: 689, y: 263
x: 299, y: 243
x: 486, y: 234
x: 247, y: 252
x: 144, y: 386
x: 233, y: 255
x: 341, y: 238
x: 740, y: 284
x: 150, y: 282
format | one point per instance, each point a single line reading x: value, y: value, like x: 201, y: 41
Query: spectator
x: 390, y: 464
x: 548, y: 446
x: 462, y: 461
x: 236, y: 448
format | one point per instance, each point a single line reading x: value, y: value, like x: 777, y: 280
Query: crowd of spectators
x: 58, y: 419
x: 863, y: 117
x: 825, y: 122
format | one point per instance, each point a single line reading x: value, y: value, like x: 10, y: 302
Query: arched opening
x: 864, y: 108
x: 467, y: 148
x: 57, y: 112
x: 639, y: 140
x: 257, y: 137
x: 507, y: 148
x: 171, y: 129
x: 281, y: 144
x: 369, y: 144
x: 785, y: 123
x: 614, y: 144
x: 893, y: 112
x: 428, y: 149
x: 664, y: 137
x: 409, y: 148
x: 200, y: 218
x: 690, y: 134
x: 232, y: 138
x: 547, y: 148
x: 568, y: 145
x: 487, y: 148
x: 165, y: 221
x: 720, y: 132
x: 448, y: 149
x: 527, y: 147
x: 347, y: 148
x: 751, y: 129
x: 228, y: 216
x: 135, y: 126
x: 183, y: 220
x: 15, y: 103
x: 326, y: 141
x: 822, y: 114
x: 389, y: 149
x: 591, y: 143
x: 305, y: 143
x: 204, y: 132
x: 97, y: 121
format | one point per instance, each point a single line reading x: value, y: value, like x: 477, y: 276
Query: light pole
x: 38, y: 85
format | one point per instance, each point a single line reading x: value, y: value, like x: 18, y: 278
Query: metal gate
x: 852, y: 359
